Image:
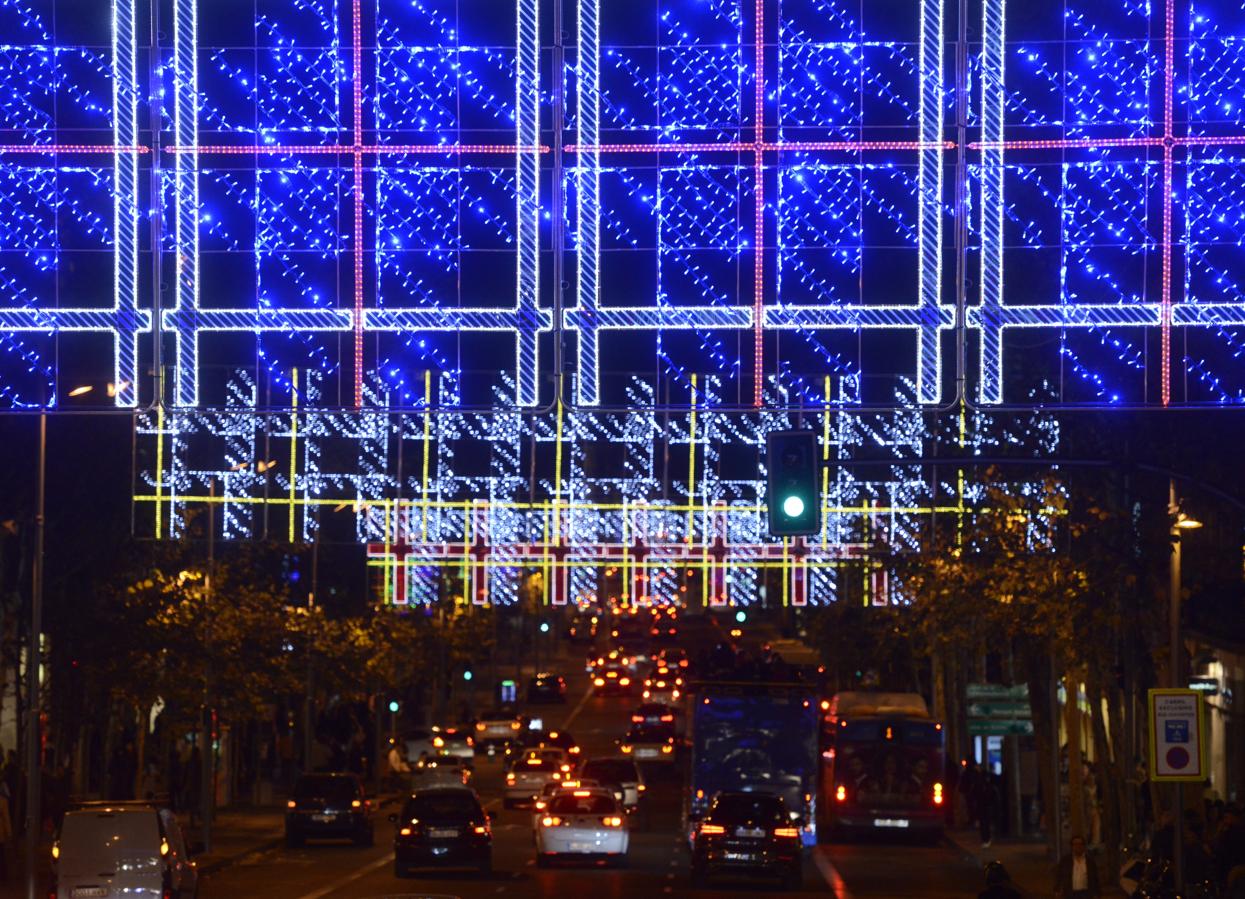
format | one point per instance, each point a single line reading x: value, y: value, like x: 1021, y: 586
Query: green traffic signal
x: 741, y: 616
x: 793, y: 483
x: 393, y: 706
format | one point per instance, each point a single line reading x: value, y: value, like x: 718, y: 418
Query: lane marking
x: 829, y: 874
x: 350, y: 878
x: 570, y: 719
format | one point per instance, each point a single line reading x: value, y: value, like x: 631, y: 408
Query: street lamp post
x: 1179, y: 523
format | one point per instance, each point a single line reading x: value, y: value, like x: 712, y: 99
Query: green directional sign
x: 997, y: 727
x: 998, y: 691
x: 998, y: 708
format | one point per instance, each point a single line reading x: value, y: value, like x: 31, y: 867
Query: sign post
x: 1177, y: 737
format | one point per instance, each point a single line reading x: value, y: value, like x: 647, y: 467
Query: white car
x: 120, y: 849
x: 662, y: 690
x: 583, y: 824
x: 497, y: 727
x: 554, y: 788
x: 454, y: 743
x: 531, y: 772
x: 622, y: 773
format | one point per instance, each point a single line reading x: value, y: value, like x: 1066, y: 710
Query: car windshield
x: 593, y: 804
x: 611, y: 771
x: 536, y: 764
x: 651, y: 734
x: 332, y: 789
x: 450, y: 805
x: 497, y: 715
x: 746, y: 807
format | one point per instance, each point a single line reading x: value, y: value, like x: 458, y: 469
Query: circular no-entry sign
x: 1178, y: 757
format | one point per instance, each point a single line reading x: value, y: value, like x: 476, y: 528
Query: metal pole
x: 34, y: 817
x: 207, y: 791
x: 1173, y: 673
x: 308, y: 703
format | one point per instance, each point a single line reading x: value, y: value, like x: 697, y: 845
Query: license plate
x: 581, y: 847
x: 749, y: 832
x: 738, y: 856
x: 442, y: 832
x: 890, y: 822
x: 646, y: 753
x: 324, y: 818
x: 83, y: 892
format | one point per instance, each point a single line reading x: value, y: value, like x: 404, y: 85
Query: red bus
x: 882, y: 765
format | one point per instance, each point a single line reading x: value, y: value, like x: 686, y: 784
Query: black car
x: 747, y: 834
x: 546, y: 687
x: 442, y: 827
x: 329, y: 806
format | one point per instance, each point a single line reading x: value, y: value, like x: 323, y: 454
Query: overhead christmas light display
x: 742, y: 189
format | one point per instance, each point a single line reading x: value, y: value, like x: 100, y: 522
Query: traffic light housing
x: 793, y: 483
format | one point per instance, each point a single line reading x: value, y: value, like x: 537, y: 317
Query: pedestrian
x: 6, y: 832
x: 1077, y: 875
x: 998, y: 883
x: 985, y: 803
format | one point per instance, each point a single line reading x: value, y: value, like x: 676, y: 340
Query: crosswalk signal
x: 793, y: 483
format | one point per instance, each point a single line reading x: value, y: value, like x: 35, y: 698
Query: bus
x: 882, y: 765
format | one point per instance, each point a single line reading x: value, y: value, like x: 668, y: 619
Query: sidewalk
x: 1031, y: 870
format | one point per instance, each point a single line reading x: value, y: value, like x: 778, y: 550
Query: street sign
x: 998, y: 708
x: 1207, y: 686
x: 998, y: 691
x: 1000, y: 727
x: 1177, y: 736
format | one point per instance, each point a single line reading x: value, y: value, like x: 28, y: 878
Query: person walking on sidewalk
x: 1077, y: 875
x: 986, y: 803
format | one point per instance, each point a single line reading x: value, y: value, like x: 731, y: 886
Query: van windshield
x: 91, y: 837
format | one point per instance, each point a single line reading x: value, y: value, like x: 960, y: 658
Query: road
x: 658, y: 862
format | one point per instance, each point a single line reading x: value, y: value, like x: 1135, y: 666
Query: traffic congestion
x: 655, y: 752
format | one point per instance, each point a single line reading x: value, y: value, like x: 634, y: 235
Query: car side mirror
x: 393, y: 819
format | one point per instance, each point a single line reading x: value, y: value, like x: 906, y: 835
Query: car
x: 120, y: 848
x: 546, y: 687
x: 656, y: 714
x: 440, y: 772
x: 587, y: 823
x: 620, y: 772
x: 747, y: 834
x: 674, y: 657
x: 454, y: 742
x: 612, y: 679
x: 649, y: 743
x: 327, y: 806
x: 562, y: 739
x: 582, y: 629
x: 496, y: 727
x: 663, y: 631
x: 552, y: 788
x: 442, y: 827
x: 417, y: 744
x: 661, y: 689
x: 529, y: 774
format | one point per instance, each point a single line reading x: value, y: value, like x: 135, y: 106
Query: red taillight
x: 840, y: 793
x: 787, y: 832
x: 667, y: 717
x: 712, y: 830
x: 639, y: 719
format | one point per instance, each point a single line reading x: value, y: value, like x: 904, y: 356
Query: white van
x: 113, y: 849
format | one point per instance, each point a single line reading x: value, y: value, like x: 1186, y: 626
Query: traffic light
x: 793, y: 484
x: 741, y: 616
x: 394, y: 705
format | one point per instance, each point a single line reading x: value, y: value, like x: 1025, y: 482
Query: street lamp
x: 1180, y: 522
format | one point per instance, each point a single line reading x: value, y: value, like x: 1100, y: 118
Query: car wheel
x: 293, y: 840
x: 542, y: 861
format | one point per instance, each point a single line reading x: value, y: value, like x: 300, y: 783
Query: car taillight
x: 712, y: 830
x: 840, y: 793
x: 541, y: 804
x: 626, y: 681
x: 574, y: 750
x: 438, y: 742
x: 291, y: 804
x: 637, y: 719
x: 625, y: 747
x: 480, y: 829
x: 510, y: 778
x: 667, y: 717
x: 480, y: 725
x: 612, y: 821
x: 550, y: 821
x: 787, y: 832
x: 355, y: 803
x: 56, y: 851
x: 405, y: 832
x: 599, y: 682
x: 471, y: 741
x: 640, y: 788
x: 667, y: 749
x: 515, y: 725
x: 937, y: 794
